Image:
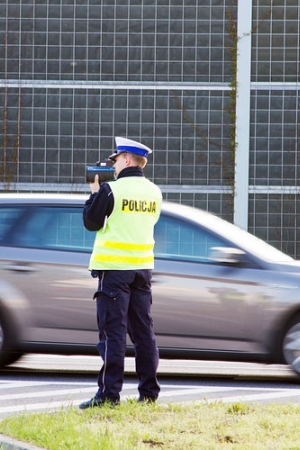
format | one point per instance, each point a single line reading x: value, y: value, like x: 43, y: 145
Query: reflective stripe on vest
x: 127, y: 240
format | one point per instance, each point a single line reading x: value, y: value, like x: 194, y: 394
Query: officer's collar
x: 132, y: 171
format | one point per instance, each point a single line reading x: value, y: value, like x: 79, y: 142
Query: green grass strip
x: 174, y: 426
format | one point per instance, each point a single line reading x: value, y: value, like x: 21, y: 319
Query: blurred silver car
x: 218, y: 292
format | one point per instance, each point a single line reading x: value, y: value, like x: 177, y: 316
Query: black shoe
x: 94, y: 402
x: 146, y: 399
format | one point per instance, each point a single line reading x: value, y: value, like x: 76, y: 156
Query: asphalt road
x: 49, y: 382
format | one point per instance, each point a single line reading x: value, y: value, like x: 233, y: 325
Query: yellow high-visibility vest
x: 125, y: 242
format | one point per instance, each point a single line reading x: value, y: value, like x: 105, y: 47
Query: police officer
x: 124, y: 212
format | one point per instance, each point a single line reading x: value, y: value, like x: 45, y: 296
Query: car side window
x: 56, y: 228
x: 178, y: 240
x: 9, y: 217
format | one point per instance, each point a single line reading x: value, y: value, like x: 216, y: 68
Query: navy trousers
x: 124, y: 301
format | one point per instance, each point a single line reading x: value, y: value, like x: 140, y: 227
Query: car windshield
x: 253, y: 244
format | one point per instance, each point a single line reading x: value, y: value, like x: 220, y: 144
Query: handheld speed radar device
x: 104, y: 169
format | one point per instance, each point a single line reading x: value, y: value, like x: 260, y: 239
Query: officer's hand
x: 95, y: 186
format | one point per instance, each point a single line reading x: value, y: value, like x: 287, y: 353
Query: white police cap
x: 128, y: 145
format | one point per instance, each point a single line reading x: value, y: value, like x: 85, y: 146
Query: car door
x: 45, y: 254
x: 199, y: 304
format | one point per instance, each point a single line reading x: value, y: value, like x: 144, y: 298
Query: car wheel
x: 291, y: 345
x: 7, y: 354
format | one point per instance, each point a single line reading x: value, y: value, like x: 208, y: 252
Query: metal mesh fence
x: 76, y: 73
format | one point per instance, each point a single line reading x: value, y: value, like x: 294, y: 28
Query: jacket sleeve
x: 97, y: 208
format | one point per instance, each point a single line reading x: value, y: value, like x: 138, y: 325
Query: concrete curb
x: 7, y: 443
